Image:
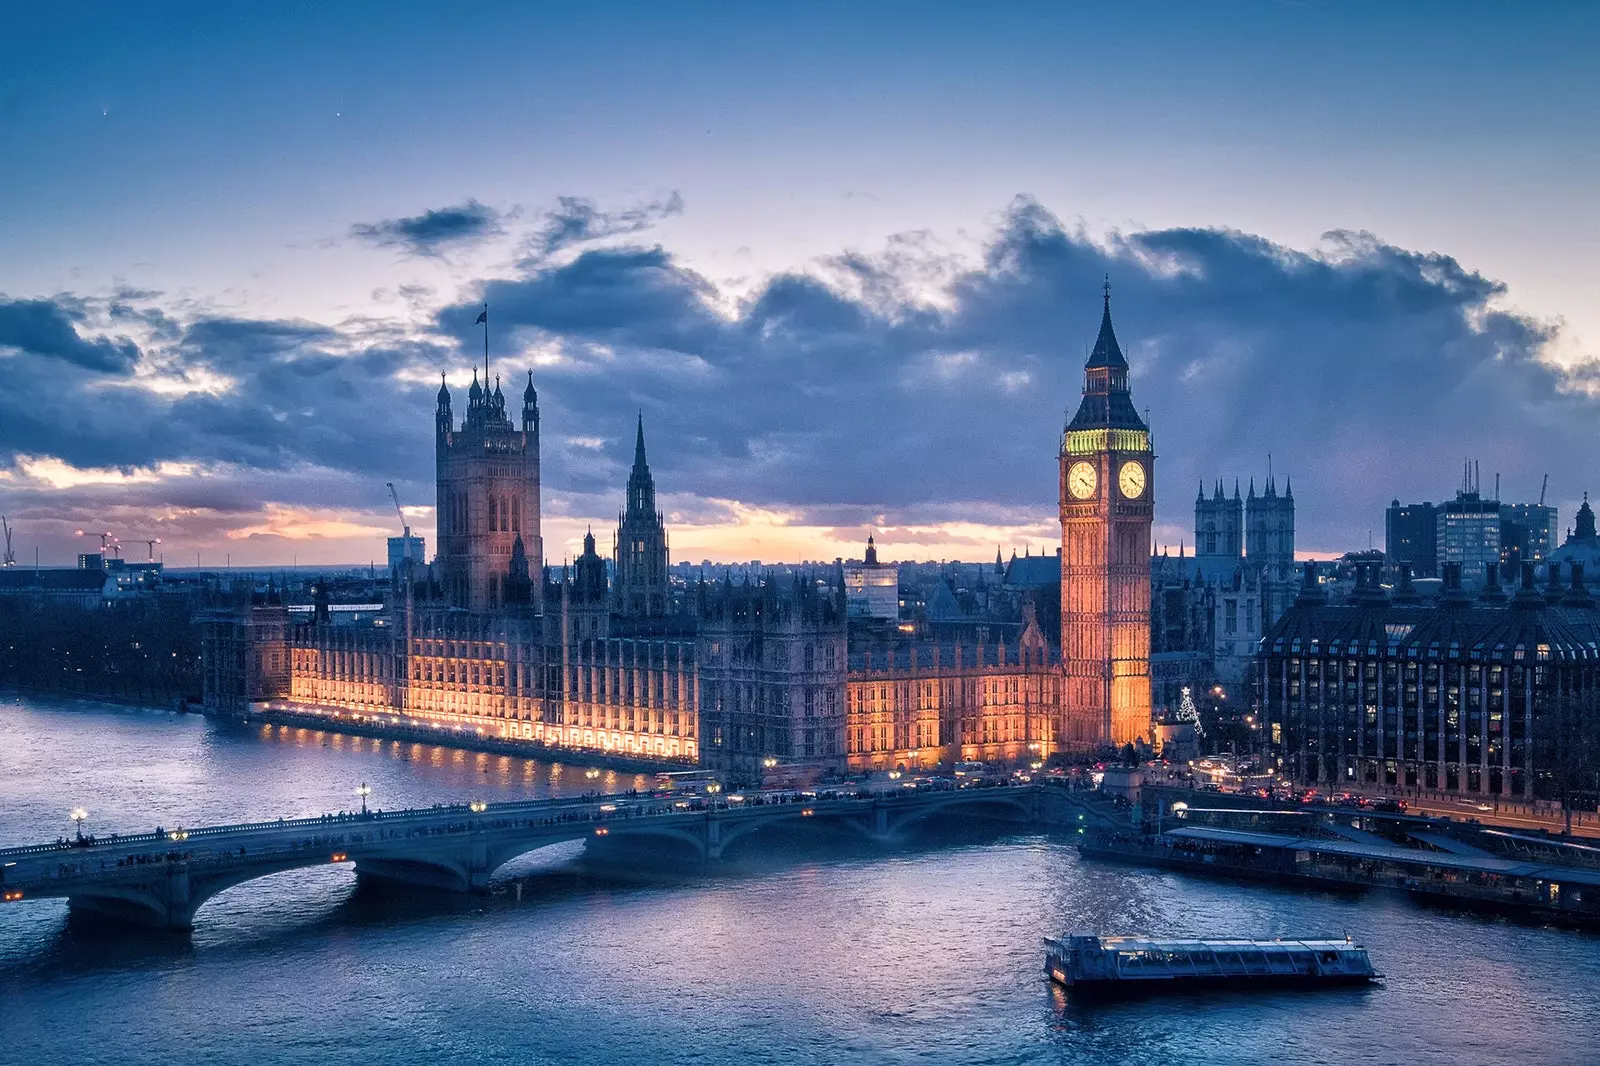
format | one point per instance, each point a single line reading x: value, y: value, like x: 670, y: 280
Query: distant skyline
x: 847, y: 261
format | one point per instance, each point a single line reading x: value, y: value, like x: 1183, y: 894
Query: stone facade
x: 641, y: 545
x: 1243, y: 570
x: 488, y: 495
x: 733, y: 677
x: 918, y: 706
x: 1107, y: 492
x: 772, y: 677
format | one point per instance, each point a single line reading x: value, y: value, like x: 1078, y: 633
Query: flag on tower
x: 483, y: 318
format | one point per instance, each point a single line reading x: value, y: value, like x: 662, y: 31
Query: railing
x: 625, y: 802
x: 490, y: 815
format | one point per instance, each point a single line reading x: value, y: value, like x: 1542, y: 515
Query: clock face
x: 1131, y: 479
x: 1081, y: 480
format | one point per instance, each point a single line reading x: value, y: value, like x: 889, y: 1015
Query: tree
x: 1187, y: 712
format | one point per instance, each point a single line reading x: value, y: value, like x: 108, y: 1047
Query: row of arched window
x: 505, y: 514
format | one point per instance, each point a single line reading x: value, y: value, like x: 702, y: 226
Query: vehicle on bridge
x: 161, y: 879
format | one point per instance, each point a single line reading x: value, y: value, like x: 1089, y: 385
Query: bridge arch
x: 170, y: 896
x: 958, y: 799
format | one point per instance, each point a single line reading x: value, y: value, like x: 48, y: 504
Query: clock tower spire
x: 1107, y: 507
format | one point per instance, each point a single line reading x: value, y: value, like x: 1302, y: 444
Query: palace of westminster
x: 737, y: 677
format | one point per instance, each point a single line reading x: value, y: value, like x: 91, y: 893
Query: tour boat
x: 1126, y: 965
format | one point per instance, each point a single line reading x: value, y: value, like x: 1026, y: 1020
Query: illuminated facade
x: 1107, y: 492
x: 917, y: 706
x: 743, y: 677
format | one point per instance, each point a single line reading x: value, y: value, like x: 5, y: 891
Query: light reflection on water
x: 797, y: 953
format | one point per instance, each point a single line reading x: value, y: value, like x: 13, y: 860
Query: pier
x: 1437, y: 866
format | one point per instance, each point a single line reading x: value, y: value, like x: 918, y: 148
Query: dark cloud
x: 892, y: 389
x: 314, y: 415
x: 1366, y: 370
x: 434, y: 231
x: 47, y: 328
x: 634, y: 296
x: 577, y: 220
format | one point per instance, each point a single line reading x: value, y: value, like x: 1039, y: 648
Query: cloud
x: 899, y: 389
x: 434, y: 231
x: 576, y: 220
x: 47, y: 329
x: 1366, y: 370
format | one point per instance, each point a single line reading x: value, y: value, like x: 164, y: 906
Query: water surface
x: 797, y: 952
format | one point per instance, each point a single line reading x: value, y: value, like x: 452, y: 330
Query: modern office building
x: 1411, y: 538
x: 1491, y: 694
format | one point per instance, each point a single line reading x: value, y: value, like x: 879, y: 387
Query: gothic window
x: 516, y: 514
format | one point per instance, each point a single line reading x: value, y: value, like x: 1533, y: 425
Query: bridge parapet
x: 163, y: 879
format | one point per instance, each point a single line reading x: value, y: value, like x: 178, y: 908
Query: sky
x: 845, y: 258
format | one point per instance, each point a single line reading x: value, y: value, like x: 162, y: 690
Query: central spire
x: 1107, y: 353
x: 638, y: 446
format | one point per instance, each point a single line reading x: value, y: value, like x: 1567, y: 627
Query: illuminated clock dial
x: 1131, y: 479
x: 1081, y: 480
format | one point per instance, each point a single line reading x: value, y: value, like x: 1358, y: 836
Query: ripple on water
x: 793, y: 954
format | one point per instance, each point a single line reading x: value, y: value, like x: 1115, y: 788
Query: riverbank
x: 461, y: 739
x: 171, y: 703
x: 1468, y: 877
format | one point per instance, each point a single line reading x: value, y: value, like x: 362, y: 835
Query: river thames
x: 793, y: 953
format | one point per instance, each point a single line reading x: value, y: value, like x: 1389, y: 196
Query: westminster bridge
x: 161, y: 879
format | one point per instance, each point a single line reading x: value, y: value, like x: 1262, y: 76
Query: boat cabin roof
x: 1139, y: 943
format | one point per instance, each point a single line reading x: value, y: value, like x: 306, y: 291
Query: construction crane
x: 150, y: 545
x: 10, y: 558
x: 402, y: 699
x: 107, y: 541
x: 405, y: 528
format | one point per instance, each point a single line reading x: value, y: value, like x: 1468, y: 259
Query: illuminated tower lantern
x: 1107, y: 505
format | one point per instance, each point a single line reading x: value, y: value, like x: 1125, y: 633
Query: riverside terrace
x: 162, y: 879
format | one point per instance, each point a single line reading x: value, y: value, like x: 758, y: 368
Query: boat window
x: 1330, y: 956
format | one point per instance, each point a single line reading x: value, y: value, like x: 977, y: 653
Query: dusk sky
x: 846, y: 258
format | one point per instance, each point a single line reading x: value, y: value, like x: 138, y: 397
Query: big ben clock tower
x: 1107, y: 505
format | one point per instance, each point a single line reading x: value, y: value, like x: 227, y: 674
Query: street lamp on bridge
x: 78, y: 815
x: 477, y: 806
x: 364, y: 790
